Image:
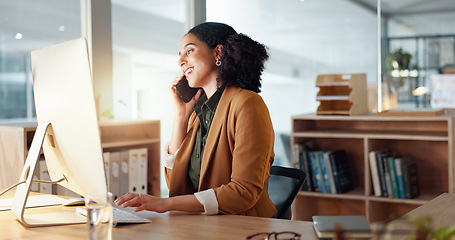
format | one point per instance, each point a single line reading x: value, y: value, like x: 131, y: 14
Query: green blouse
x: 205, y: 110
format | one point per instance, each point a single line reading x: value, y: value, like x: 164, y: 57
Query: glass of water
x: 99, y: 216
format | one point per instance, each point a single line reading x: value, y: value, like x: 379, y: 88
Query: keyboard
x: 119, y: 216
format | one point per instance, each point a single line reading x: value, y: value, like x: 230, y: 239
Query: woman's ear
x: 219, y: 51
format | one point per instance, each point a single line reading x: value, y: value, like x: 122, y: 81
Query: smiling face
x: 197, y: 62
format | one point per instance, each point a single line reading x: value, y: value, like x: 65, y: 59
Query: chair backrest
x: 284, y: 185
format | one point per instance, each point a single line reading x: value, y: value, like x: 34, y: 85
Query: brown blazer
x: 237, y: 156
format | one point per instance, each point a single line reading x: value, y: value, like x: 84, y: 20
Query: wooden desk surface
x: 441, y: 210
x: 163, y: 226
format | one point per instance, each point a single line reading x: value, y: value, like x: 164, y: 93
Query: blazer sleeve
x: 251, y: 138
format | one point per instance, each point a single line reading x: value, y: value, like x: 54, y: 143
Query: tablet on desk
x: 353, y: 226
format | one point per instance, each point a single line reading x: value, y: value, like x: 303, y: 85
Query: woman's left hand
x: 143, y: 202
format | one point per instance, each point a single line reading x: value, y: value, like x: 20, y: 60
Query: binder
x: 35, y: 186
x: 142, y: 180
x: 51, y: 188
x: 107, y: 168
x: 44, y: 175
x: 133, y: 169
x: 124, y: 174
x: 114, y: 186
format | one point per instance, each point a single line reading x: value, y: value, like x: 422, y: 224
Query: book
x: 327, y: 155
x: 381, y: 173
x: 374, y: 173
x: 400, y: 180
x: 319, y: 186
x: 305, y: 165
x: 340, y: 171
x: 393, y: 176
x: 324, y: 171
x: 303, y: 162
x: 387, y: 176
x: 411, y: 181
x: 353, y: 226
x: 296, y: 149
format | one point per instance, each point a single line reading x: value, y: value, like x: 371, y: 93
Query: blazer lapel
x: 215, y: 130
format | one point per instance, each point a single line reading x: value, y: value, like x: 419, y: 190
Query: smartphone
x: 185, y: 92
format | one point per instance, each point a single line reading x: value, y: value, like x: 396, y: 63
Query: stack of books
x: 393, y: 175
x: 327, y: 170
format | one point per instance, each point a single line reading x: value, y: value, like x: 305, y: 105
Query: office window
x: 26, y: 25
x: 146, y: 38
x: 427, y: 39
x: 305, y: 38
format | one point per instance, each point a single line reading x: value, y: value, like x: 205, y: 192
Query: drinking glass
x: 99, y: 216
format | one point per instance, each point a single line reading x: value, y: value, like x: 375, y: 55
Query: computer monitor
x: 67, y: 131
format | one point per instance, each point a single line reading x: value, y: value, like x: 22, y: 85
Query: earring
x: 218, y: 62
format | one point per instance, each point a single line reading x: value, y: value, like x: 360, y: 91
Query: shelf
x: 333, y: 112
x: 331, y: 84
x: 417, y: 201
x: 373, y: 117
x: 304, y: 207
x: 373, y: 135
x: 332, y: 98
x: 428, y: 141
x: 356, y: 194
x: 114, y: 143
x: 137, y: 129
x: 370, y: 124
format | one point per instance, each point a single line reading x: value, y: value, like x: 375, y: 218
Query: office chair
x: 284, y: 184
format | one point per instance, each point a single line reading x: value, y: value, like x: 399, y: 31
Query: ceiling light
x: 18, y: 35
x: 61, y: 28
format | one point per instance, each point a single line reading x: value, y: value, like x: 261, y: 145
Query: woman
x: 221, y: 149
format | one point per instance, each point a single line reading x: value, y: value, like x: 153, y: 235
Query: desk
x: 440, y: 209
x: 164, y: 226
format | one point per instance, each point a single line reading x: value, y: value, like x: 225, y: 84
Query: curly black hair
x: 243, y: 59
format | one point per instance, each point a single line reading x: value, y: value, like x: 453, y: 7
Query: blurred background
x: 305, y: 39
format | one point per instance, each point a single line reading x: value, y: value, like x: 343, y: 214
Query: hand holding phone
x: 185, y: 92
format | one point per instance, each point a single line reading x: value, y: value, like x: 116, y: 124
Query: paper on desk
x: 33, y: 201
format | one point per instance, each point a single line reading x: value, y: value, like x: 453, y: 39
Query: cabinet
x: 115, y: 135
x: 427, y: 140
x: 15, y: 139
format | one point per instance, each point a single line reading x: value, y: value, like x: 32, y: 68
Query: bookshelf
x: 115, y: 135
x: 427, y: 140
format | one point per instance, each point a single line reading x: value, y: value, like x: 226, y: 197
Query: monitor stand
x: 23, y: 190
